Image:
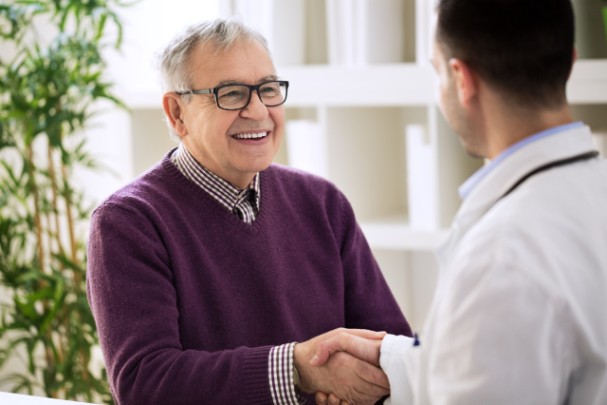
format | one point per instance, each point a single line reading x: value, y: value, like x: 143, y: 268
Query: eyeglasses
x: 238, y: 96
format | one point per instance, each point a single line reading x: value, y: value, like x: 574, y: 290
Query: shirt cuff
x: 392, y: 361
x: 280, y: 366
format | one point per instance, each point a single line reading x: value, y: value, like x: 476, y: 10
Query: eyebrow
x: 262, y: 80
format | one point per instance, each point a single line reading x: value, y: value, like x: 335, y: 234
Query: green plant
x: 51, y: 80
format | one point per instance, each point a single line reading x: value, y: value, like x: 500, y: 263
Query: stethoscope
x: 550, y: 165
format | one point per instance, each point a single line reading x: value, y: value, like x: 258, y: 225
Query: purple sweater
x: 189, y: 300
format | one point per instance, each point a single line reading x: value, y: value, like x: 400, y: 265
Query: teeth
x: 257, y: 135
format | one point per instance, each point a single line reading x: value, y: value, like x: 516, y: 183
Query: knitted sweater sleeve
x: 130, y: 290
x: 370, y: 303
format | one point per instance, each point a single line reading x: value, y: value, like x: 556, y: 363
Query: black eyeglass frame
x: 255, y: 87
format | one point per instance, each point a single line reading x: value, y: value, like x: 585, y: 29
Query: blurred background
x: 361, y: 112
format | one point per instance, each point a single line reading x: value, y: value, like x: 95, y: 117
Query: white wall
x: 147, y: 27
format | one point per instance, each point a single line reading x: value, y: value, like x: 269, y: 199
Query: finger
x: 334, y: 399
x: 366, y: 381
x: 311, y: 376
x: 360, y: 347
x: 321, y: 398
x: 371, y: 375
x: 363, y: 333
x: 353, y: 380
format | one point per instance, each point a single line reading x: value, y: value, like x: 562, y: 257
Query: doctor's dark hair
x: 522, y: 48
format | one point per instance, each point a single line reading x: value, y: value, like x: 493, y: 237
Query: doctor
x: 519, y: 311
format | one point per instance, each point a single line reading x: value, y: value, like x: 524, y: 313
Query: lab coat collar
x: 493, y: 186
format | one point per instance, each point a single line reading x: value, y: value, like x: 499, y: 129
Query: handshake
x: 342, y: 367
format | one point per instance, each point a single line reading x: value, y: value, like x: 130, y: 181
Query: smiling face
x: 235, y: 145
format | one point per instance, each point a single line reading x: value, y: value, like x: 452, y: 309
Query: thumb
x: 363, y: 348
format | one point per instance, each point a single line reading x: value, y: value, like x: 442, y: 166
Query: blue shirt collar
x: 466, y: 188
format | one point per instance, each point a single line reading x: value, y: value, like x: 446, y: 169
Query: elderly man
x: 207, y: 270
x: 519, y: 312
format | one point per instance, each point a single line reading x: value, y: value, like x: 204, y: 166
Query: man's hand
x: 329, y: 399
x: 325, y: 367
x: 351, y: 341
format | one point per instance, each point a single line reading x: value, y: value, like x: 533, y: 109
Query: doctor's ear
x: 465, y: 80
x: 171, y: 103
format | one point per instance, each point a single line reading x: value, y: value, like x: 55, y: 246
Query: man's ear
x: 465, y: 81
x: 171, y: 102
x: 574, y: 58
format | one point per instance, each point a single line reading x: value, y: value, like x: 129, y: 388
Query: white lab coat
x: 520, y: 310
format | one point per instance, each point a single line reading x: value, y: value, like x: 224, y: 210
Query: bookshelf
x: 364, y: 110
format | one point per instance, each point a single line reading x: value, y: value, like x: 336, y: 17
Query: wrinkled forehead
x: 245, y: 60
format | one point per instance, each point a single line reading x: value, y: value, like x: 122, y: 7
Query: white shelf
x: 313, y: 85
x: 390, y: 234
x: 359, y: 113
x: 408, y: 84
x: 588, y: 83
x: 399, y: 84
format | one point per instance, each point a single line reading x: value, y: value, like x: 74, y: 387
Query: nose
x: 255, y: 109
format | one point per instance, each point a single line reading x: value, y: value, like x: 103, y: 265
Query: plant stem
x: 54, y: 199
x: 70, y: 219
x: 31, y: 168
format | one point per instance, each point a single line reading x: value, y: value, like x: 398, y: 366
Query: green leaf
x: 19, y: 383
x: 48, y: 91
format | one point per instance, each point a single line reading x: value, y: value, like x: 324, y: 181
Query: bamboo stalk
x: 52, y: 175
x: 60, y: 337
x: 78, y: 280
x: 31, y: 167
x: 34, y: 189
x: 70, y: 217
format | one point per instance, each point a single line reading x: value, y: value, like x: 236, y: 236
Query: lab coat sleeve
x: 392, y: 360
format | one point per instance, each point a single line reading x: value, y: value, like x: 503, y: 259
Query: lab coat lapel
x: 486, y: 194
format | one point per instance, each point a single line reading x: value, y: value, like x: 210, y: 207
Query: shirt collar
x: 220, y: 189
x: 466, y: 188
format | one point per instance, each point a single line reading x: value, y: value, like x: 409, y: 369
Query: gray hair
x: 220, y: 33
x: 174, y: 59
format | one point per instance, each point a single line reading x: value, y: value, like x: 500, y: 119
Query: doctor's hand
x: 349, y: 379
x: 348, y: 341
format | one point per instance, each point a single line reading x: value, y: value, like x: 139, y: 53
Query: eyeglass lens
x: 235, y: 96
